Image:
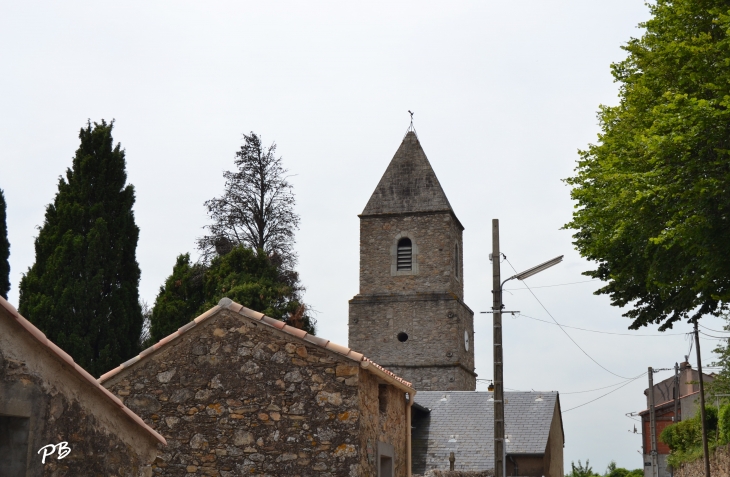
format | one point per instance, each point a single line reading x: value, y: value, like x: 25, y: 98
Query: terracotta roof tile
x: 278, y: 324
x: 62, y: 355
x: 364, y: 358
x: 226, y: 303
x: 295, y: 331
x: 343, y: 350
x: 144, y: 353
x: 251, y: 314
x: 184, y: 328
x: 316, y: 340
x: 355, y: 355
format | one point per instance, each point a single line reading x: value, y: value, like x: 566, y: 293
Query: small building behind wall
x: 47, y: 399
x: 462, y: 422
x: 239, y: 393
x: 687, y: 393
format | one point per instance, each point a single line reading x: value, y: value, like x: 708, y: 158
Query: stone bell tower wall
x: 434, y: 356
x: 436, y: 237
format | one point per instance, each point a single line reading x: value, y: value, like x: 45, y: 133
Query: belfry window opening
x: 405, y: 254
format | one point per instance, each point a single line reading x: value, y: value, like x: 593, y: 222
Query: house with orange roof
x: 235, y: 392
x: 55, y: 418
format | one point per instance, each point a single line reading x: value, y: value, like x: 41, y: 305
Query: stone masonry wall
x: 65, y: 412
x: 434, y: 357
x: 235, y: 397
x: 435, y: 236
x: 719, y: 465
x: 382, y: 425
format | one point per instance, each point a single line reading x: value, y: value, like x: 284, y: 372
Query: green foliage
x: 4, y: 249
x: 613, y: 471
x: 249, y: 278
x: 723, y: 424
x: 581, y: 471
x: 180, y: 299
x: 685, y: 437
x: 719, y: 388
x: 652, y: 196
x: 82, y: 290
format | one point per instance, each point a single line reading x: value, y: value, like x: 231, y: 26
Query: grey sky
x: 504, y: 94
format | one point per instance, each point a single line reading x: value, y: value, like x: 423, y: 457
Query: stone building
x: 238, y: 393
x: 410, y: 314
x: 55, y: 419
x: 462, y: 423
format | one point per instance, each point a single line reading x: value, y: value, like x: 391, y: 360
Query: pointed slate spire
x: 409, y: 184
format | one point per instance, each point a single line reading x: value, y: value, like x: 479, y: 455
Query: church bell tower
x: 410, y: 316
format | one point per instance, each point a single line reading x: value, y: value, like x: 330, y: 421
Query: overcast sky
x: 504, y: 95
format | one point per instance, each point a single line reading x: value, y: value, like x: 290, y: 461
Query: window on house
x: 383, y: 397
x: 456, y: 261
x: 13, y: 445
x: 405, y: 254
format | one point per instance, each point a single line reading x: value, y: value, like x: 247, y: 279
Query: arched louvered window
x: 456, y: 260
x: 405, y: 254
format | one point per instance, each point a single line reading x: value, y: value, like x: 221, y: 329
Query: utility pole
x: 676, y: 393
x: 705, y: 450
x: 499, y: 433
x: 652, y: 424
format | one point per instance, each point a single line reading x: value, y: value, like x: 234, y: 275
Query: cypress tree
x: 4, y: 250
x: 82, y: 291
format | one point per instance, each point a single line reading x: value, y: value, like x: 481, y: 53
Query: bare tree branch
x: 257, y: 206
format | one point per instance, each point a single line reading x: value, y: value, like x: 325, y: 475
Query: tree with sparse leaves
x: 653, y: 194
x: 4, y: 249
x: 257, y: 206
x: 82, y: 290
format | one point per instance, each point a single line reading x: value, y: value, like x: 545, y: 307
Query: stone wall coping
x: 401, y: 214
x: 228, y: 304
x: 68, y: 360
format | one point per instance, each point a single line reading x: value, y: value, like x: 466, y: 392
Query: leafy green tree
x: 653, y: 203
x: 685, y: 437
x: 82, y: 290
x: 180, y: 299
x: 613, y: 471
x: 247, y: 277
x: 581, y: 471
x: 4, y: 249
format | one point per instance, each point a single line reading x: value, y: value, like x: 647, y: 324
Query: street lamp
x: 500, y: 450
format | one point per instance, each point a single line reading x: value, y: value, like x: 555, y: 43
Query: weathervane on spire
x: 411, y: 128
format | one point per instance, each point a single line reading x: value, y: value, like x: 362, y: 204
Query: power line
x: 566, y: 333
x: 716, y: 331
x: 598, y: 331
x: 597, y: 389
x: 716, y: 337
x: 612, y: 391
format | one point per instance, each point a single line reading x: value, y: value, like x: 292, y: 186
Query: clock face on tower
x: 466, y: 340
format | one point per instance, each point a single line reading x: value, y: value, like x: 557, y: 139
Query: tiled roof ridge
x: 227, y: 303
x: 490, y: 392
x: 671, y: 401
x: 389, y: 373
x: 66, y: 358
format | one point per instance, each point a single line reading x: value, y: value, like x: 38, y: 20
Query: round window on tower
x: 402, y: 336
x: 466, y: 340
